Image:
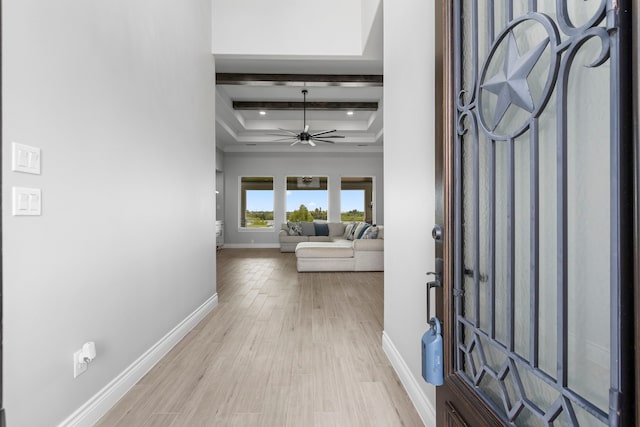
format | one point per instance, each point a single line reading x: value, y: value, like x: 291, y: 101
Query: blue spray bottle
x: 432, y: 354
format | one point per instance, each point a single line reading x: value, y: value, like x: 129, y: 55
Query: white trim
x: 95, y: 408
x: 418, y: 398
x: 251, y: 246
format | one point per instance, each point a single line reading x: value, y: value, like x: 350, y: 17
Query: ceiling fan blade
x: 306, y: 128
x: 295, y: 142
x: 323, y: 132
x: 329, y: 136
x: 323, y: 140
x: 311, y: 143
x: 282, y: 134
x: 287, y: 139
x: 288, y: 131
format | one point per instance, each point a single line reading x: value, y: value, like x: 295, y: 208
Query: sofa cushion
x: 321, y: 228
x: 294, y: 228
x: 320, y: 239
x: 368, y: 245
x: 339, y: 249
x: 308, y: 229
x: 336, y: 228
x: 293, y: 239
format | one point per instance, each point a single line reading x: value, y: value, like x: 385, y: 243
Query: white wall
x: 287, y: 27
x: 409, y: 187
x: 119, y: 96
x: 369, y: 10
x: 280, y: 166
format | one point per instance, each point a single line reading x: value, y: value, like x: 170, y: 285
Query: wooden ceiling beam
x: 318, y: 106
x: 309, y: 80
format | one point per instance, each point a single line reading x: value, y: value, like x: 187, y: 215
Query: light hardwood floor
x: 281, y: 349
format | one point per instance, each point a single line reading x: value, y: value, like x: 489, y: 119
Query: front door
x: 537, y: 203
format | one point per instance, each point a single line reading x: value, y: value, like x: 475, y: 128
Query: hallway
x: 281, y: 349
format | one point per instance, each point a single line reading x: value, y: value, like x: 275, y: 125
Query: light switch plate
x: 25, y: 159
x: 27, y: 201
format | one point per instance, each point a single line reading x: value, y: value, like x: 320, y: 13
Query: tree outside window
x: 307, y: 198
x: 256, y: 202
x: 356, y: 199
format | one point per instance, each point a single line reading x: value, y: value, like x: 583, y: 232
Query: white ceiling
x: 247, y: 131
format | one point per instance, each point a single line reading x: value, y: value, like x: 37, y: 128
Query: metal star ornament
x: 510, y: 83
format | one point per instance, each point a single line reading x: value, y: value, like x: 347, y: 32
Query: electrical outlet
x: 79, y: 367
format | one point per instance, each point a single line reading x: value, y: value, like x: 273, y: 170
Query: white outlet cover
x: 25, y: 158
x: 78, y: 366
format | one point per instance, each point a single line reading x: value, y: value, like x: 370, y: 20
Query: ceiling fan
x: 305, y: 137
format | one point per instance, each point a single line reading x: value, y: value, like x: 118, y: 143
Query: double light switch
x: 27, y: 201
x: 26, y: 159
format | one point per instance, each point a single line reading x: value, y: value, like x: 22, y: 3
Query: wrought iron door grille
x: 514, y: 65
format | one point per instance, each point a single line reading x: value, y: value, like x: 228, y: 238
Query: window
x: 356, y: 199
x: 307, y: 198
x: 256, y: 202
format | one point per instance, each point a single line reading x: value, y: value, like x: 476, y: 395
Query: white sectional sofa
x: 341, y: 250
x: 288, y: 242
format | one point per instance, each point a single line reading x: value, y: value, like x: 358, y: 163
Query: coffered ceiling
x: 251, y: 107
x: 345, y: 95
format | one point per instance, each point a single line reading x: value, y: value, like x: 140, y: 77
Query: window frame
x: 370, y: 193
x: 242, y: 205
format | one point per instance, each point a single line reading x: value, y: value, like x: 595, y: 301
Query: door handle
x: 436, y: 283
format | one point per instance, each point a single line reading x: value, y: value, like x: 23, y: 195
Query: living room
x: 279, y: 166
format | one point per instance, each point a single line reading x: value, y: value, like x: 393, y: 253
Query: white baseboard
x: 252, y: 245
x: 418, y: 398
x: 89, y: 413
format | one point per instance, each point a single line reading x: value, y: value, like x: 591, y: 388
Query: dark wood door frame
x: 444, y: 215
x: 446, y: 414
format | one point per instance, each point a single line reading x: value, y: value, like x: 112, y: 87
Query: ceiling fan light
x: 305, y: 137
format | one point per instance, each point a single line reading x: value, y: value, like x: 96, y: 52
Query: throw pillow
x: 348, y: 230
x: 308, y: 229
x: 294, y: 228
x: 370, y: 233
x: 321, y: 229
x: 359, y: 230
